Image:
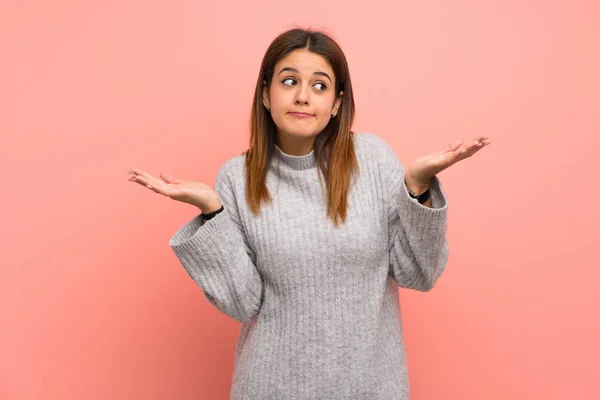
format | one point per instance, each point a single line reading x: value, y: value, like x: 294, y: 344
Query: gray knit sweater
x: 319, y: 305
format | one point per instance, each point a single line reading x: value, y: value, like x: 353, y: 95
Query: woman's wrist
x: 415, y: 187
x: 211, y: 214
x: 211, y: 207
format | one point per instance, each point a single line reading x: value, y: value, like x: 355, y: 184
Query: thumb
x: 169, y: 178
x: 455, y: 146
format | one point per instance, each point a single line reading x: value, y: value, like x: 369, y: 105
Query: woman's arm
x: 417, y: 243
x: 217, y: 256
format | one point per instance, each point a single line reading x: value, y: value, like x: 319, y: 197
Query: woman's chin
x: 301, y: 132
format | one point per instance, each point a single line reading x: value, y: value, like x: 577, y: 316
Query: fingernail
x: 149, y: 187
x: 130, y: 171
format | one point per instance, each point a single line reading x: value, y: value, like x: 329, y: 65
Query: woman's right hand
x: 192, y: 192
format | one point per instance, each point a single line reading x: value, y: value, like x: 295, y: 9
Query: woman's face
x: 302, y: 95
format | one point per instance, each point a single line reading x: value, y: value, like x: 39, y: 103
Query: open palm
x: 426, y: 167
x: 191, y: 192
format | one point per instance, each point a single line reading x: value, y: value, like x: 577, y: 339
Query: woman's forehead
x: 304, y: 62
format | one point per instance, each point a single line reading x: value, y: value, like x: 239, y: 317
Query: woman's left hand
x: 425, y: 168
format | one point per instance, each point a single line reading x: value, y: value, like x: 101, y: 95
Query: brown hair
x: 334, y: 146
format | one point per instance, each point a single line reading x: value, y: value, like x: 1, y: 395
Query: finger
x: 475, y: 145
x: 481, y: 143
x: 483, y: 140
x: 160, y: 188
x: 470, y: 149
x: 465, y: 151
x: 138, y: 172
x: 147, y: 178
x: 140, y: 180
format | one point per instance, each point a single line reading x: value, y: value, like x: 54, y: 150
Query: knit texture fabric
x: 319, y: 305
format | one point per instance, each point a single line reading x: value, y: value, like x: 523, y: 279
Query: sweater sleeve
x: 216, y: 255
x: 418, y: 247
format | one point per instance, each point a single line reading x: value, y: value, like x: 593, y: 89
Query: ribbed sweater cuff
x: 424, y: 220
x: 199, y: 238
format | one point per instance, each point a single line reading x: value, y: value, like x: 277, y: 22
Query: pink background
x: 94, y: 304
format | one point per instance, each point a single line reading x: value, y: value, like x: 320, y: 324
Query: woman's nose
x: 302, y: 95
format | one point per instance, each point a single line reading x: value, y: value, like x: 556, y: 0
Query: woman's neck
x: 294, y: 145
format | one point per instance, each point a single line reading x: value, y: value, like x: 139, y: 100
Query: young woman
x: 308, y: 235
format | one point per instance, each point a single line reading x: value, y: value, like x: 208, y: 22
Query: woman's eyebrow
x: 292, y: 69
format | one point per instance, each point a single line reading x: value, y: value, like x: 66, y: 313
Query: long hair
x: 334, y: 146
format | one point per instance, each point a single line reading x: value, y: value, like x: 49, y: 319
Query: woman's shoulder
x: 371, y: 145
x: 234, y: 167
x: 236, y: 162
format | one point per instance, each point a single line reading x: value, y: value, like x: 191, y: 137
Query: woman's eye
x: 291, y: 81
x: 322, y: 86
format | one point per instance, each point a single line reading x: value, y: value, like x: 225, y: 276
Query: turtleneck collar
x: 296, y: 162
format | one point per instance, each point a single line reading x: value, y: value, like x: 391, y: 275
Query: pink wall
x: 93, y: 303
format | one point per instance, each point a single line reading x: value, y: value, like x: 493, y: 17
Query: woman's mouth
x: 300, y: 114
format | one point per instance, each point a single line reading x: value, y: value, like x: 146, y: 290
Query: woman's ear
x: 337, y: 104
x: 265, y: 96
